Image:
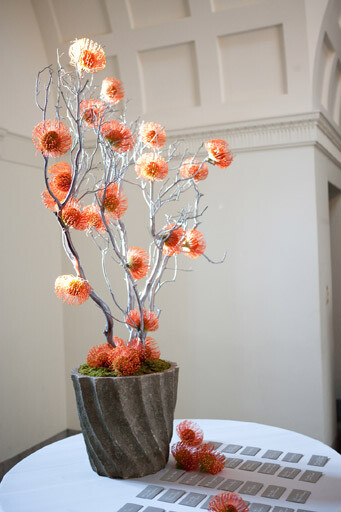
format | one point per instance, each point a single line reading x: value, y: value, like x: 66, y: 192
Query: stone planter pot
x: 127, y: 422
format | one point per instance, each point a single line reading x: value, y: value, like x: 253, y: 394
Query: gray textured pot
x: 127, y: 422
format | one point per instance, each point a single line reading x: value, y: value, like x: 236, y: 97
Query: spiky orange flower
x: 150, y: 350
x: 71, y: 289
x: 119, y: 342
x: 87, y: 55
x: 228, y: 502
x: 112, y: 91
x: 92, y: 216
x: 48, y: 200
x: 195, y: 169
x: 190, y: 433
x: 125, y: 361
x: 210, y: 460
x: 60, y: 176
x: 113, y: 200
x: 173, y: 239
x: 150, y: 320
x: 52, y: 138
x: 151, y: 167
x: 185, y: 456
x: 118, y: 135
x: 153, y: 135
x: 91, y: 111
x: 137, y: 262
x: 100, y: 355
x: 193, y: 244
x: 72, y: 215
x: 219, y: 152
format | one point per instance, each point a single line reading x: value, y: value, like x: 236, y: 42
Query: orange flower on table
x: 93, y: 218
x: 210, y: 460
x: 86, y: 55
x: 100, y: 355
x: 228, y: 502
x: 60, y: 175
x: 186, y: 457
x: 153, y: 135
x: 125, y: 361
x: 113, y: 200
x: 71, y: 289
x: 91, y: 111
x: 112, y: 91
x: 193, y: 244
x: 137, y: 262
x: 151, y: 167
x: 173, y: 239
x: 73, y: 216
x: 52, y: 138
x: 118, y: 136
x: 219, y: 152
x: 190, y: 433
x: 150, y: 320
x: 195, y: 169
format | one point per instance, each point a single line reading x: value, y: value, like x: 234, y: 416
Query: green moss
x: 149, y: 366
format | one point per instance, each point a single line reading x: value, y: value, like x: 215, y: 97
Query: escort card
x: 292, y: 457
x: 172, y: 475
x: 274, y: 492
x: 251, y: 488
x: 271, y: 454
x: 211, y: 481
x: 232, y: 463
x: 250, y: 465
x: 268, y: 468
x: 288, y: 472
x: 232, y: 448
x: 250, y: 450
x: 311, y: 476
x: 259, y: 507
x: 171, y: 496
x: 318, y: 460
x: 191, y: 478
x: 298, y: 496
x: 150, y: 492
x: 130, y: 507
x: 230, y: 485
x: 192, y: 499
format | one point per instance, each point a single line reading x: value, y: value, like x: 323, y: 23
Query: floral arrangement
x: 86, y: 193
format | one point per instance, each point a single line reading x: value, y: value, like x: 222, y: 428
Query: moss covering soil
x: 149, y: 366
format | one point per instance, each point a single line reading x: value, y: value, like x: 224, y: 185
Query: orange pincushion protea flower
x: 71, y: 289
x: 137, y: 262
x: 100, y: 355
x: 112, y: 91
x: 72, y: 215
x: 228, y: 502
x: 125, y: 360
x: 118, y: 135
x: 151, y: 167
x: 113, y: 200
x: 150, y: 320
x: 193, y: 244
x: 185, y: 456
x: 219, y: 152
x: 92, y: 217
x: 194, y: 169
x: 210, y: 460
x: 153, y: 135
x: 92, y: 111
x: 173, y: 240
x: 150, y: 350
x: 61, y: 176
x: 52, y: 138
x: 190, y: 433
x: 48, y: 200
x: 86, y: 55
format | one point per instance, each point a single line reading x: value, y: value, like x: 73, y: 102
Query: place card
x: 271, y: 454
x: 232, y: 463
x: 207, y: 502
x: 250, y: 488
x: 301, y: 510
x: 230, y: 485
x: 298, y: 496
x: 250, y: 465
x: 232, y: 448
x: 318, y: 460
x: 283, y: 509
x: 172, y: 475
x: 191, y: 478
x: 171, y: 495
x: 154, y: 509
x: 192, y: 499
x: 292, y: 457
x: 274, y: 492
x: 259, y: 507
x: 216, y: 444
x: 130, y: 507
x: 211, y: 481
x: 250, y: 450
x: 268, y: 468
x: 288, y: 472
x: 311, y: 476
x: 150, y: 492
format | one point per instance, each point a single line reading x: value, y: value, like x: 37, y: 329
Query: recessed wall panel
x: 81, y: 18
x: 337, y: 97
x: 145, y: 13
x: 252, y: 64
x: 327, y: 57
x: 169, y: 77
x: 112, y: 69
x: 223, y: 5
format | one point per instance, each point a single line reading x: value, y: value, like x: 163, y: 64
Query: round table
x: 275, y: 470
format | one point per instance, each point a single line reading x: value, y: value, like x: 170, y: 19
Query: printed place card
x: 216, y: 444
x: 191, y: 478
x: 288, y: 472
x: 230, y: 485
x: 250, y: 465
x: 251, y: 488
x: 211, y: 481
x: 154, y: 509
x: 318, y: 460
x: 232, y: 448
x: 271, y: 454
x: 250, y: 450
x: 259, y: 507
x: 311, y: 476
x: 283, y: 509
x: 232, y: 463
x: 274, y: 492
x: 150, y: 492
x: 268, y: 468
x: 207, y: 502
x: 292, y: 457
x: 171, y: 495
x: 172, y: 475
x: 130, y: 507
x: 192, y: 499
x: 298, y: 496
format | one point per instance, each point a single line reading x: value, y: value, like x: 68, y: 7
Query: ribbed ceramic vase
x: 127, y: 422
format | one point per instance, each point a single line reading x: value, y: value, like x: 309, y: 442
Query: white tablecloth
x: 58, y: 478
